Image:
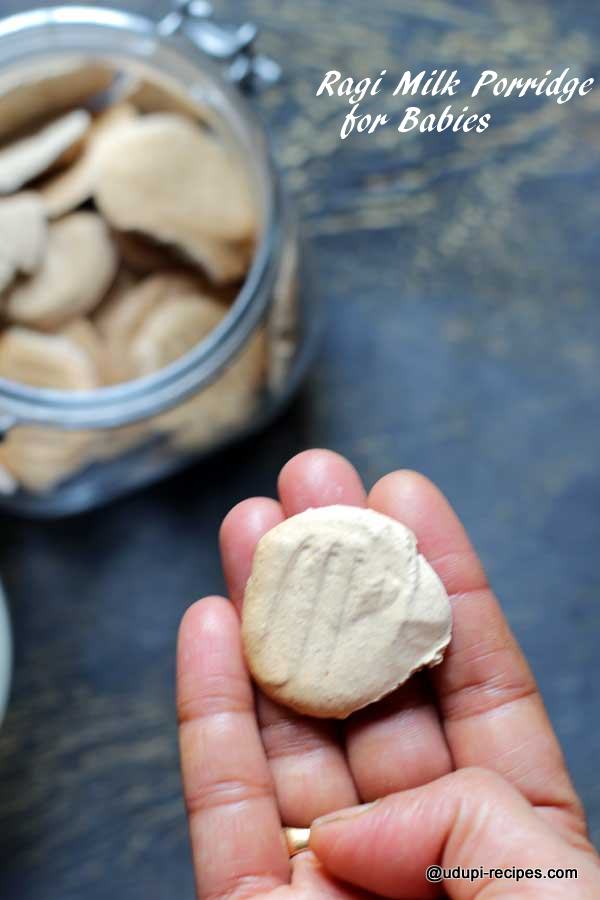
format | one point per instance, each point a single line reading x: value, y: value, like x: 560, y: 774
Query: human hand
x: 464, y: 756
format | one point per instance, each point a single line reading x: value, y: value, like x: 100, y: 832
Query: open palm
x: 251, y: 766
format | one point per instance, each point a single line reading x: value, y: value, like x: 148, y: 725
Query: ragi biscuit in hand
x: 340, y: 610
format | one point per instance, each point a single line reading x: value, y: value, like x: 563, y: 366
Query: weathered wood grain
x: 459, y: 275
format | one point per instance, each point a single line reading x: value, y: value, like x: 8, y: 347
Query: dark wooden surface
x: 459, y: 275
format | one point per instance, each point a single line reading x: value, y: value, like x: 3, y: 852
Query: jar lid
x: 233, y: 46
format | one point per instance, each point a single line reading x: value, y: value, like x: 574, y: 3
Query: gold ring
x: 296, y: 840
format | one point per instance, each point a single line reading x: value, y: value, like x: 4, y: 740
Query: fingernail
x: 342, y: 814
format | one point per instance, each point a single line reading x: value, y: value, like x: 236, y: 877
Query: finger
x: 308, y: 765
x: 240, y: 532
x: 234, y: 823
x: 311, y: 879
x: 319, y: 478
x: 459, y: 820
x: 397, y: 743
x: 492, y: 712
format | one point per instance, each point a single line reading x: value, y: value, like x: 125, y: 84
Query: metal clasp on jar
x: 232, y: 46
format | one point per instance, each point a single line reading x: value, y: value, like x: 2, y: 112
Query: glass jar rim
x: 117, y: 405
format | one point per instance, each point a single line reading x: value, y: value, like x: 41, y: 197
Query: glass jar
x: 84, y: 448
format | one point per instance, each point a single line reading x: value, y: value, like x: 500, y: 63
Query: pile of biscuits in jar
x: 126, y: 228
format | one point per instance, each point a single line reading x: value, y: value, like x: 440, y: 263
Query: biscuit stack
x: 124, y: 236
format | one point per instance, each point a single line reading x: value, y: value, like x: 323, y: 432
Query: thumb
x: 471, y: 819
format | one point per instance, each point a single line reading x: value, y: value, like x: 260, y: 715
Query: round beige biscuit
x: 26, y: 159
x: 165, y: 176
x: 39, y: 458
x: 31, y: 92
x: 77, y: 271
x: 69, y: 188
x: 23, y: 232
x: 172, y: 329
x: 54, y: 361
x: 340, y: 610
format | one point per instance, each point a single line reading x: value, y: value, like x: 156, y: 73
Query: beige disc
x: 172, y: 330
x: 73, y: 186
x: 221, y: 407
x: 39, y: 458
x: 23, y: 232
x: 30, y: 93
x: 167, y: 177
x: 86, y: 336
x: 36, y: 457
x: 29, y: 157
x: 54, y: 361
x: 340, y: 610
x: 77, y: 271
